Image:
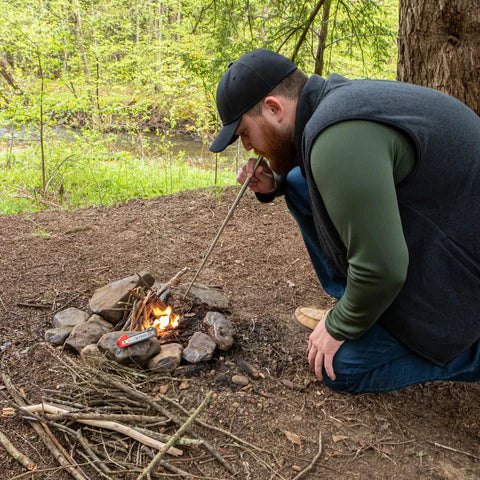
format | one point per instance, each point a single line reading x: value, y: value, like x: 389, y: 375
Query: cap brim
x: 226, y: 137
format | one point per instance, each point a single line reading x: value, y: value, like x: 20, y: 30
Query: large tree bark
x: 439, y: 47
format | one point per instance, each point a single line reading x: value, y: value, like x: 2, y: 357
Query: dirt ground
x: 53, y: 259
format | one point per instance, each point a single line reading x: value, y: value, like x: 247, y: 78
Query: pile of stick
x: 141, y: 302
x: 106, y: 424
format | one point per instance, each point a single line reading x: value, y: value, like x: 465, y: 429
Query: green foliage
x: 172, y: 53
x: 135, y: 66
x: 88, y: 171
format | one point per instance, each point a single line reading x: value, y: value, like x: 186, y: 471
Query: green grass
x: 85, y: 172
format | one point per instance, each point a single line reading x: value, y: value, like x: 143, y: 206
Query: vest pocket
x: 463, y: 257
x: 437, y: 312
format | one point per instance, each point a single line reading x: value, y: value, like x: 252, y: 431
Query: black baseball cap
x: 244, y: 84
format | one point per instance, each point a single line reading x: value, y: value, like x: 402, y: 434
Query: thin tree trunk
x: 322, y: 38
x: 439, y: 47
x: 6, y: 72
x: 42, y: 124
x: 179, y: 22
x: 306, y: 28
x: 81, y: 48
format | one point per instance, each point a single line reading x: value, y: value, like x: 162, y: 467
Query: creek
x: 186, y: 147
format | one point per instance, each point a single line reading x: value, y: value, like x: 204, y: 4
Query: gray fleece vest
x: 437, y: 312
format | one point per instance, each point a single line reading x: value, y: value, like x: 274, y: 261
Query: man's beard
x: 279, y: 148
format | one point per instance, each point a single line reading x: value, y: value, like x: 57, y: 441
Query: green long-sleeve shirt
x: 356, y: 165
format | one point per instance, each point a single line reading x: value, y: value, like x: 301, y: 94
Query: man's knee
x: 343, y: 383
x: 351, y: 370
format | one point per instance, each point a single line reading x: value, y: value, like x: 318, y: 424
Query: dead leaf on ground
x: 293, y: 437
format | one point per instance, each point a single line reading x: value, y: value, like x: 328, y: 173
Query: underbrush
x: 87, y: 172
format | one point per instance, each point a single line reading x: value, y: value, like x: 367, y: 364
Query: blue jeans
x: 375, y: 362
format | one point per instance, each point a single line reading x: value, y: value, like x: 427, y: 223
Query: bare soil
x: 53, y: 259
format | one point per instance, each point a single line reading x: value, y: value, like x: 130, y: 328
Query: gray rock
x: 220, y: 330
x: 208, y: 296
x: 87, y: 333
x: 240, y: 380
x: 200, y: 348
x: 69, y: 318
x: 92, y: 355
x: 56, y: 336
x: 138, y: 353
x: 107, y: 301
x: 168, y: 359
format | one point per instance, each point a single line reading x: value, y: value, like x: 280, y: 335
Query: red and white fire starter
x: 132, y: 339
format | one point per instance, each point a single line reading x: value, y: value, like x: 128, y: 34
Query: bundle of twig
x: 113, y: 427
x: 142, y: 300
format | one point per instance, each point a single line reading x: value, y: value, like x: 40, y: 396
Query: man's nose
x: 246, y: 143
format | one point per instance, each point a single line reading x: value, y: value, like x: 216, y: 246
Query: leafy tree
x: 117, y: 62
x: 110, y: 65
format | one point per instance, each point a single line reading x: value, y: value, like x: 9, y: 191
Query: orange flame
x: 162, y: 319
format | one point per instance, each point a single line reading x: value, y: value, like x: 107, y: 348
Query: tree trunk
x: 439, y: 47
x: 6, y: 72
x: 81, y: 48
x: 306, y: 28
x: 322, y: 38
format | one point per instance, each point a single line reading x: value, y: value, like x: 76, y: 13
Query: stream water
x: 190, y: 149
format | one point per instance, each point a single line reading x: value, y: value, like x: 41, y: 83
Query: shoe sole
x: 305, y: 321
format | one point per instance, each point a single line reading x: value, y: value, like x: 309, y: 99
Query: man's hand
x: 322, y: 347
x: 262, y: 180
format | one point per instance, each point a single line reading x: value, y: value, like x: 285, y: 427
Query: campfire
x: 163, y: 318
x: 133, y: 323
x: 148, y: 311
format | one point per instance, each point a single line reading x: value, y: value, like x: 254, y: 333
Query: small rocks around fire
x: 220, y: 329
x: 93, y: 336
x: 200, y: 348
x: 138, y: 353
x: 87, y: 333
x: 168, y: 359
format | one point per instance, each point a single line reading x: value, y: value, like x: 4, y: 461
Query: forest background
x: 76, y: 74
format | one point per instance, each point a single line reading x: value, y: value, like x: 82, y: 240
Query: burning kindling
x: 149, y: 311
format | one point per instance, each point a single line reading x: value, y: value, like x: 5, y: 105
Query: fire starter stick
x: 227, y: 218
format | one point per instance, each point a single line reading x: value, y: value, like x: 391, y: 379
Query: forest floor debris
x: 267, y: 429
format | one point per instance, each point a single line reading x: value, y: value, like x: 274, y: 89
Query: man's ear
x: 273, y: 107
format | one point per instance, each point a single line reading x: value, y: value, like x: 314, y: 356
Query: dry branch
x: 451, y: 449
x: 28, y: 196
x: 108, y: 425
x: 3, y: 305
x: 171, y: 442
x: 115, y: 417
x: 212, y: 427
x: 172, y: 281
x: 111, y: 392
x: 312, y: 463
x: 44, y: 433
x: 106, y: 379
x: 15, y: 453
